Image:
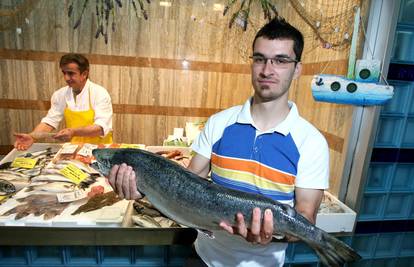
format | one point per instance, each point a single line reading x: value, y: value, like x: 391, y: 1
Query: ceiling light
x: 165, y: 3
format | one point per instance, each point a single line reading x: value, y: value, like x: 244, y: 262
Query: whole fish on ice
x: 195, y: 202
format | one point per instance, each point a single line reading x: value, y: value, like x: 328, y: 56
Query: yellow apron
x: 75, y: 119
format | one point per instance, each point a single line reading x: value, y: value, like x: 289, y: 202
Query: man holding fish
x: 85, y: 106
x: 262, y: 147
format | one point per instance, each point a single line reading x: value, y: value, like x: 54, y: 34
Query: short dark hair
x: 279, y: 28
x: 79, y: 59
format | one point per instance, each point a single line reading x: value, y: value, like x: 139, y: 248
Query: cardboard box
x: 337, y: 221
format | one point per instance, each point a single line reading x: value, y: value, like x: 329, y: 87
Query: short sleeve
x: 103, y: 109
x: 203, y: 142
x: 57, y: 106
x: 313, y: 165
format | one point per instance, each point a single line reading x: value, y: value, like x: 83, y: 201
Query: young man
x: 262, y: 147
x: 86, y: 107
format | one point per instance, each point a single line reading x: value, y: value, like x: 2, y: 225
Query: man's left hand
x: 260, y: 232
x: 64, y: 135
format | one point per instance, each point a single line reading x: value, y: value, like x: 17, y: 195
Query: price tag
x: 86, y: 150
x: 73, y: 173
x: 71, y: 196
x: 26, y: 163
x: 68, y: 148
x: 132, y: 146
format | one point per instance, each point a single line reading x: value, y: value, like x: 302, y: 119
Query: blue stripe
x: 275, y: 195
x: 271, y: 149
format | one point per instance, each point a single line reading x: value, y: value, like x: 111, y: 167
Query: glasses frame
x: 274, y: 60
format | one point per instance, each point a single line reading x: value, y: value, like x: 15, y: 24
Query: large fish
x: 195, y: 202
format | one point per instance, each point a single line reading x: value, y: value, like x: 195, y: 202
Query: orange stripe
x: 254, y: 168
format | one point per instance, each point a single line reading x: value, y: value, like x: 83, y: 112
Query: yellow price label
x: 73, y: 173
x: 132, y: 146
x: 26, y: 163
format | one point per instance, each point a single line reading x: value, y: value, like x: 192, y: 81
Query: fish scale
x: 195, y: 202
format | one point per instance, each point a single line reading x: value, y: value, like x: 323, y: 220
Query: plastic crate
x: 379, y: 175
x: 407, y: 245
x: 398, y: 206
x: 81, y: 255
x: 388, y: 133
x: 408, y: 136
x: 372, y: 206
x: 399, y: 104
x: 388, y: 245
x: 13, y: 255
x: 402, y: 179
x: 364, y: 244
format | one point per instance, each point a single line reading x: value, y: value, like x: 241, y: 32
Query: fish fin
x: 332, y: 251
x: 207, y: 233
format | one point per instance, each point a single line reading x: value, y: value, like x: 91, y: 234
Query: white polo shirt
x: 271, y: 163
x: 100, y: 102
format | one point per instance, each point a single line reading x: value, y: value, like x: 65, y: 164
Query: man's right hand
x: 123, y: 180
x: 23, y: 141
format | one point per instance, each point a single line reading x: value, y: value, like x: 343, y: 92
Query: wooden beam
x: 333, y: 67
x: 335, y: 142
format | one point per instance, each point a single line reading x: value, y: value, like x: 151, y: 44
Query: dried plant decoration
x: 241, y: 15
x: 105, y: 11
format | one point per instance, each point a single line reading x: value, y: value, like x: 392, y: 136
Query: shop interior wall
x: 141, y: 66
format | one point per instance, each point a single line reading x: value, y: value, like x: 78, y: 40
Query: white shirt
x: 100, y: 103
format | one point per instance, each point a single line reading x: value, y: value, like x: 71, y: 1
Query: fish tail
x: 332, y: 251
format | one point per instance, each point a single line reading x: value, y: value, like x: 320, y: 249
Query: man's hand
x: 64, y: 135
x: 23, y: 141
x: 123, y: 180
x: 260, y: 232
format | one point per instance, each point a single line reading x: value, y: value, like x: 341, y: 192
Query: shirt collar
x: 284, y: 127
x: 86, y: 86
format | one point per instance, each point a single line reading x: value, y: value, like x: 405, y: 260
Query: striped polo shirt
x: 270, y: 163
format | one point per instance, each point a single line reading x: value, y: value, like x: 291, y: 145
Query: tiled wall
x: 385, y: 229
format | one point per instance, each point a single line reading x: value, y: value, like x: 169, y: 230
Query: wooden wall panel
x: 14, y: 120
x: 141, y: 68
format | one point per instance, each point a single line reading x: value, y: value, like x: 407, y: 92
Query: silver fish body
x: 195, y: 202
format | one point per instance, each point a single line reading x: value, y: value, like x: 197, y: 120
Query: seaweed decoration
x: 241, y: 16
x: 105, y: 11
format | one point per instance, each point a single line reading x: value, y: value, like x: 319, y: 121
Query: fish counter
x: 50, y: 195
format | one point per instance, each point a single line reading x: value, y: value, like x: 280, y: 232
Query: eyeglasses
x: 276, y: 62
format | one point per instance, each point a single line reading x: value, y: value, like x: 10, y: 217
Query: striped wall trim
x: 335, y: 142
x: 333, y: 67
x: 164, y: 110
x: 117, y: 108
x: 24, y: 104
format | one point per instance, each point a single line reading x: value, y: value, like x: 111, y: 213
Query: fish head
x: 144, y: 163
x: 104, y: 160
x: 6, y: 187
